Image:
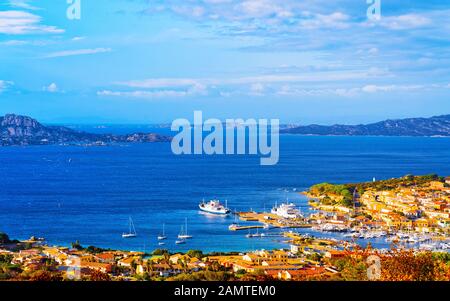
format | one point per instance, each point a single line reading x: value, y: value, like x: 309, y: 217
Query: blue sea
x: 69, y: 193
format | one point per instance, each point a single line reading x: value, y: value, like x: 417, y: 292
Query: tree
x: 158, y: 252
x: 45, y: 276
x: 405, y: 265
x: 100, y: 276
x: 76, y: 245
x: 195, y: 253
x: 4, y: 238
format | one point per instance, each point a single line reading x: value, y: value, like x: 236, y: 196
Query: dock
x: 249, y: 227
x: 273, y: 220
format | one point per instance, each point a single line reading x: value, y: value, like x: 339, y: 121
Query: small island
x: 16, y: 130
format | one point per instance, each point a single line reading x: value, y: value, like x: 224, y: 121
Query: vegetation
x: 406, y: 181
x: 334, y: 194
x: 342, y: 194
x: 398, y: 265
x: 99, y: 276
x: 195, y: 253
x: 91, y: 249
x: 95, y: 250
x: 203, y: 276
x: 77, y: 246
x: 159, y: 252
x: 4, y: 238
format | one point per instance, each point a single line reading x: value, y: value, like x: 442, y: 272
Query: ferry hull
x: 215, y: 212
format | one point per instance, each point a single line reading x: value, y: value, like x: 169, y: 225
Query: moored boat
x: 214, y: 207
x: 183, y: 233
x: 132, y: 231
x: 163, y: 235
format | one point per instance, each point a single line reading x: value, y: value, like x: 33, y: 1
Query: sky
x: 152, y: 61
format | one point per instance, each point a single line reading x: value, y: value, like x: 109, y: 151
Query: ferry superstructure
x: 286, y: 210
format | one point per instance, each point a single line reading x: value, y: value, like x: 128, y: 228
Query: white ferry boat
x: 287, y: 210
x: 215, y: 207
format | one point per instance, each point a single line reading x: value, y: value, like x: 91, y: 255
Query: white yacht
x: 163, y: 235
x: 184, y: 233
x: 215, y: 207
x: 132, y: 231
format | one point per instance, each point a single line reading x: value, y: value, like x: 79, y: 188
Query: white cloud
x: 257, y: 89
x: 52, y: 88
x: 250, y: 80
x: 336, y: 20
x: 373, y: 51
x: 14, y: 43
x: 153, y: 94
x: 295, y: 90
x: 262, y: 9
x: 78, y: 52
x: 390, y: 88
x: 161, y: 83
x: 78, y: 38
x: 402, y: 22
x: 16, y: 22
x: 22, y: 4
x: 4, y: 85
x: 193, y: 90
x: 249, y: 85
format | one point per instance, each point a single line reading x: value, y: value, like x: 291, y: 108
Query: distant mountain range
x: 22, y: 130
x: 434, y: 126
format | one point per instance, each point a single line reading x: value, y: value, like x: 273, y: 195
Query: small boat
x: 132, y: 231
x: 234, y: 227
x: 184, y: 234
x: 180, y: 241
x: 163, y: 235
x: 214, y: 207
x: 267, y: 226
x: 257, y: 234
x: 161, y: 243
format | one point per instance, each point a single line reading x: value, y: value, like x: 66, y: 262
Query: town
x: 410, y: 210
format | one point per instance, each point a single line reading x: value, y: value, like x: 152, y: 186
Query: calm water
x: 88, y: 194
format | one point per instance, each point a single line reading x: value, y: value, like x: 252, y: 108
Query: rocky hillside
x: 434, y: 126
x: 22, y: 130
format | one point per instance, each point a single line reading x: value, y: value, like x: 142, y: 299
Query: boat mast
x: 132, y: 225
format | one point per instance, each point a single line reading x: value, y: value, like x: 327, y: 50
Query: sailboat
x: 132, y: 231
x: 163, y: 235
x: 184, y: 234
x: 257, y: 234
x: 180, y: 241
x: 234, y: 226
